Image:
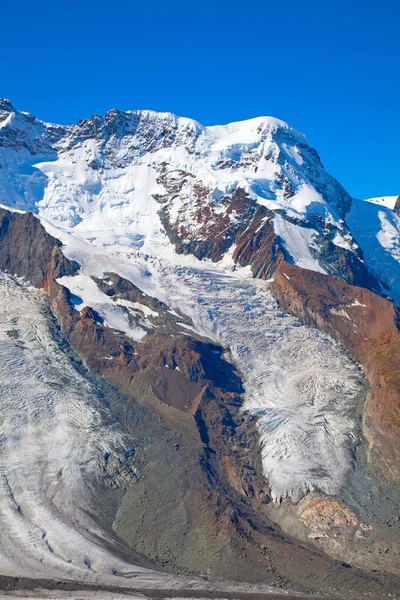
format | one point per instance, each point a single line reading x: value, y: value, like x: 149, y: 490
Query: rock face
x: 397, y: 207
x: 28, y: 250
x: 215, y: 232
x: 259, y: 246
x: 367, y: 325
x: 327, y: 518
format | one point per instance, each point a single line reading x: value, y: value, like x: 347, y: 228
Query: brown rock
x: 327, y: 517
x: 27, y: 250
x: 259, y: 246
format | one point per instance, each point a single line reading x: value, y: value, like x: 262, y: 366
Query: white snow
x: 305, y: 196
x: 297, y: 241
x: 87, y: 293
x: 376, y: 229
x: 357, y: 303
x: 294, y: 153
x: 148, y: 312
x: 6, y: 121
x: 386, y: 201
x: 344, y: 241
x: 340, y: 313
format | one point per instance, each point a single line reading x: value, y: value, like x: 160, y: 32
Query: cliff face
x: 259, y: 246
x: 367, y: 326
x: 28, y: 250
x: 397, y: 207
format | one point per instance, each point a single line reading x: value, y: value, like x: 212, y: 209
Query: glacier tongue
x: 53, y: 438
x: 299, y: 386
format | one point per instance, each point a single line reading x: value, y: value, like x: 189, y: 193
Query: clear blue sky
x: 328, y: 68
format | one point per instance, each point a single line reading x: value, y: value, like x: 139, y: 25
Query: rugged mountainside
x: 241, y: 446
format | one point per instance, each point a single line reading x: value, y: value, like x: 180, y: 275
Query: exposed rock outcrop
x: 217, y: 224
x: 26, y: 249
x: 258, y: 246
x: 397, y: 207
x: 326, y: 517
x: 344, y: 264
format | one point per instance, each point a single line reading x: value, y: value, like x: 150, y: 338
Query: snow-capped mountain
x: 198, y: 282
x: 118, y: 172
x: 264, y: 156
x: 146, y: 179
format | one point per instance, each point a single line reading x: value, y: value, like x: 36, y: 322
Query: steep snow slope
x: 297, y: 242
x: 376, y: 227
x: 386, y: 201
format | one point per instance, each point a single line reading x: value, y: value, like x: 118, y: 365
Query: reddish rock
x: 259, y: 246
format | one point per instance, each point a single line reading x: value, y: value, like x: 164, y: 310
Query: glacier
x: 54, y: 434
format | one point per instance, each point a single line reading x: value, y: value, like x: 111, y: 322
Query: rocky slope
x: 150, y: 228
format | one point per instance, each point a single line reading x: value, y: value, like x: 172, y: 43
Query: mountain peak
x: 6, y: 106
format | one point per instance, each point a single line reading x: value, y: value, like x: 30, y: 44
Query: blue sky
x: 329, y: 68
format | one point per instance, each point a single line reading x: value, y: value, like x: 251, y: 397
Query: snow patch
x: 87, y: 293
x: 340, y: 313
